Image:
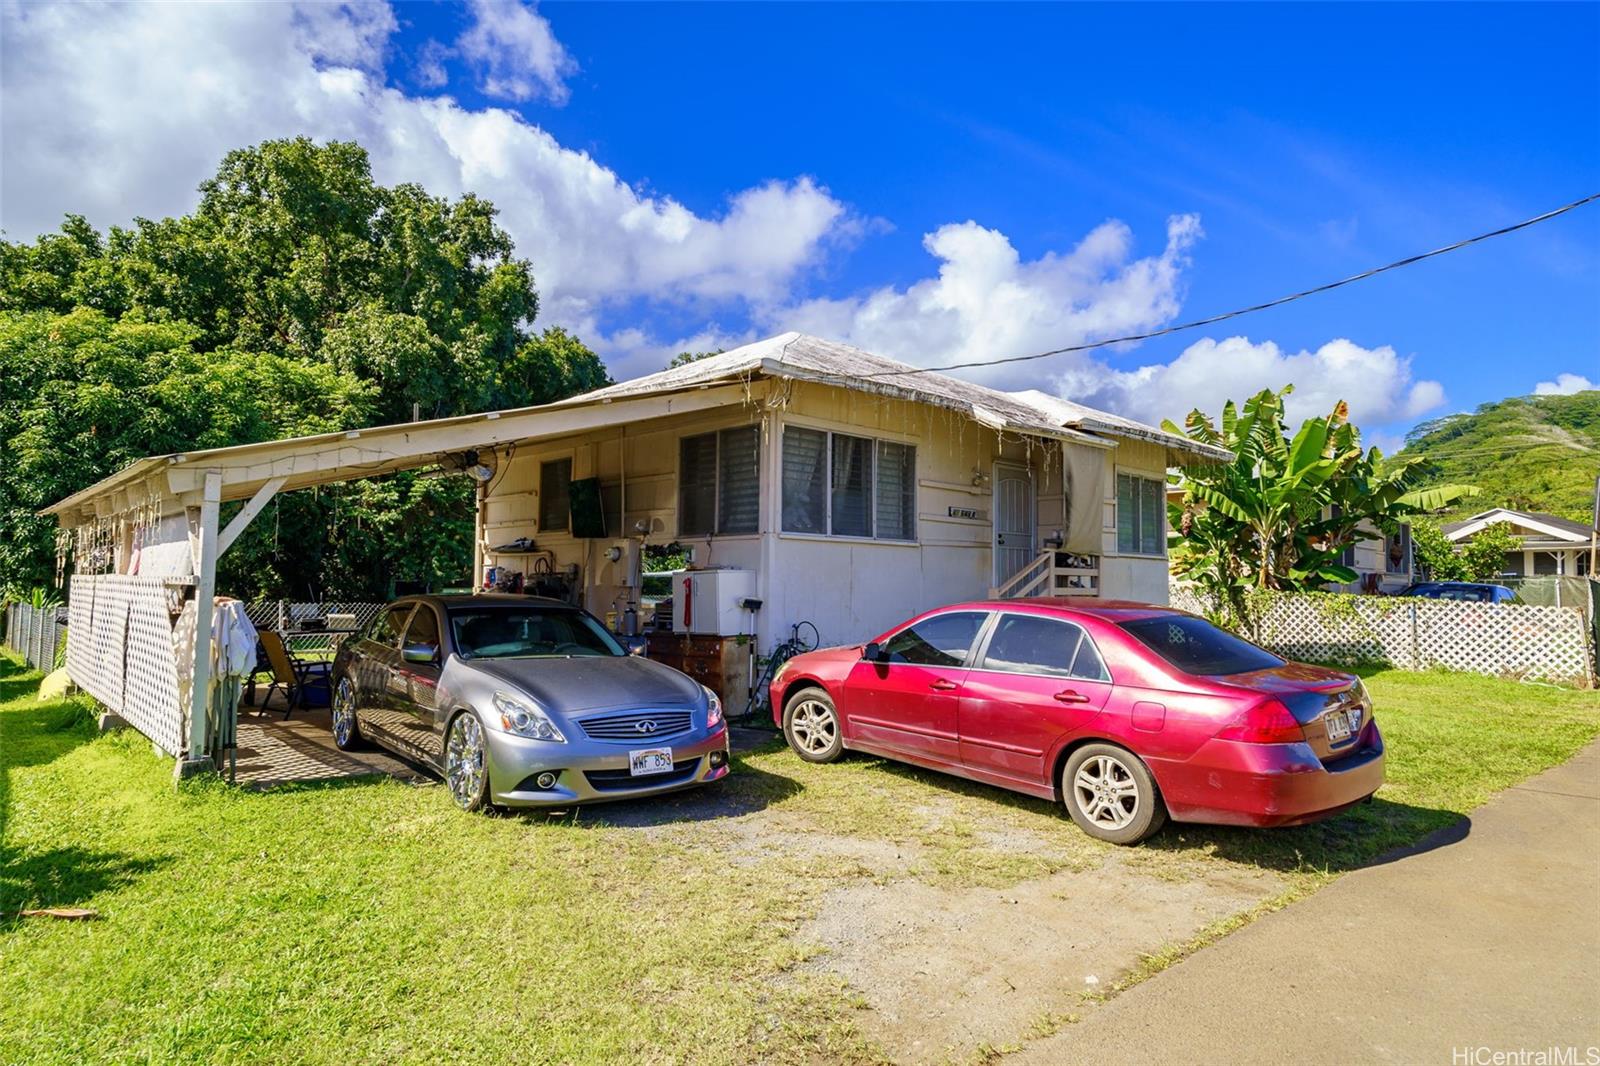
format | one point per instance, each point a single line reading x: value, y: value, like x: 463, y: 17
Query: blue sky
x: 699, y: 175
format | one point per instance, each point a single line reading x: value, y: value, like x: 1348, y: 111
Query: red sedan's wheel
x: 1111, y: 795
x: 811, y: 726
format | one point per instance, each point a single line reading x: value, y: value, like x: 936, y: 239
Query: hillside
x: 1533, y: 453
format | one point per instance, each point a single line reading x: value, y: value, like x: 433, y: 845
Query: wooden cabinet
x: 721, y: 664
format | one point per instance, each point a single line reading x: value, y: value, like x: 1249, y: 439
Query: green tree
x: 685, y: 358
x: 1481, y: 558
x: 299, y: 295
x: 1436, y: 557
x: 82, y: 395
x: 1280, y: 515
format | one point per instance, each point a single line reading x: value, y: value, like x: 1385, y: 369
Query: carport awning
x: 302, y: 462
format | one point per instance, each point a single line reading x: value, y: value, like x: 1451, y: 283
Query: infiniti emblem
x: 646, y: 726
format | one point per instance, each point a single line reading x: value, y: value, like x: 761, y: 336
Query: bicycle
x: 782, y: 652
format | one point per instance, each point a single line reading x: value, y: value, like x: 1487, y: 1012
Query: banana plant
x: 1282, y: 513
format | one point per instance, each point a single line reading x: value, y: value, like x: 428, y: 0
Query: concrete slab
x: 274, y: 751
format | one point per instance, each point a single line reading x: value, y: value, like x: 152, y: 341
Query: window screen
x: 739, y: 484
x: 697, y: 484
x: 805, y: 480
x: 555, y: 501
x: 852, y: 491
x: 942, y: 640
x: 897, y: 491
x: 1139, y: 524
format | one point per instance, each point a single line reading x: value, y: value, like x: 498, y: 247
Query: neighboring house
x: 1550, y: 544
x: 1382, y: 561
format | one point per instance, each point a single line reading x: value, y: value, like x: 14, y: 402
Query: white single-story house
x: 829, y: 484
x: 1550, y: 544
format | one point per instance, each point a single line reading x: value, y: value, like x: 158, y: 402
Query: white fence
x: 119, y: 650
x: 1499, y: 639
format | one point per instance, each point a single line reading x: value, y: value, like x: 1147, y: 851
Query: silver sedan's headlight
x: 526, y: 719
x: 713, y: 708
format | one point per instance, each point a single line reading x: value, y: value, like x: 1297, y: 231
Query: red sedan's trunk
x: 1331, y: 706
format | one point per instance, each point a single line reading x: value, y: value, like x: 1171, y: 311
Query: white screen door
x: 1013, y: 520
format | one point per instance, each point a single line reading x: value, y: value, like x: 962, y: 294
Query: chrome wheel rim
x: 1106, y: 792
x: 813, y: 726
x: 463, y: 761
x: 344, y: 711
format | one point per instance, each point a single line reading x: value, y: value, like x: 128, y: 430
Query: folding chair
x: 289, y: 672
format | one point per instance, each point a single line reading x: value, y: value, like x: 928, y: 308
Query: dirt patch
x: 749, y: 841
x: 949, y: 972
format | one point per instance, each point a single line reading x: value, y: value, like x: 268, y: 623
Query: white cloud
x: 1376, y: 382
x: 124, y: 109
x: 515, y: 52
x: 1564, y: 385
x: 350, y: 34
x: 987, y: 301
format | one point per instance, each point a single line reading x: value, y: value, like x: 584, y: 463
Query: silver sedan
x: 523, y: 702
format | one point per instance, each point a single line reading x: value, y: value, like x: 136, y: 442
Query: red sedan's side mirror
x: 873, y: 652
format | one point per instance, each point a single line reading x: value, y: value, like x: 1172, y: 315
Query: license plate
x: 1338, y: 726
x: 649, y: 761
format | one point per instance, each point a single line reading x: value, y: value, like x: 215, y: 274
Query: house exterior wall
x: 1132, y: 576
x: 850, y: 588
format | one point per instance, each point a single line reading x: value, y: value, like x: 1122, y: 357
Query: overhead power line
x: 1280, y: 301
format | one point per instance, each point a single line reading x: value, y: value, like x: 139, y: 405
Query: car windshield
x: 1197, y: 647
x: 527, y: 632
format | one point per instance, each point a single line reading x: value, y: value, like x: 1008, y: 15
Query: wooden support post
x: 480, y: 505
x: 262, y: 497
x: 197, y: 758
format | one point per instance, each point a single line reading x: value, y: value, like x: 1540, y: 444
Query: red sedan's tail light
x: 1268, y: 722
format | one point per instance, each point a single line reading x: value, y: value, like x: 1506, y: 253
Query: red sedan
x: 1127, y: 713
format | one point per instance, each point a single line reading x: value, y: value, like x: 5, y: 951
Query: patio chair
x: 290, y: 673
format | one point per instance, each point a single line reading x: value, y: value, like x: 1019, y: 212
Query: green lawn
x: 371, y: 921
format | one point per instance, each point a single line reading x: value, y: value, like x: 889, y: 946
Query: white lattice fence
x: 119, y: 650
x: 1499, y: 639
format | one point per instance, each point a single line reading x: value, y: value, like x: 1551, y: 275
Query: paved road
x: 1490, y: 941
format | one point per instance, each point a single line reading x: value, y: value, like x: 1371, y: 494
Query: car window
x: 1197, y: 647
x: 424, y: 627
x: 942, y: 640
x: 1030, y: 644
x: 1088, y: 664
x: 391, y: 622
x: 527, y: 632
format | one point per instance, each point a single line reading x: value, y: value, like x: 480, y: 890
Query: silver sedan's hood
x: 590, y: 682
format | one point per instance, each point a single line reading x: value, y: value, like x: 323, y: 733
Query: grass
x: 371, y: 921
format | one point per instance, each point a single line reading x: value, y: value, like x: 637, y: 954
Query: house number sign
x: 968, y: 512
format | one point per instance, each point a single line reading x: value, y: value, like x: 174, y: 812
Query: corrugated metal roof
x: 804, y: 357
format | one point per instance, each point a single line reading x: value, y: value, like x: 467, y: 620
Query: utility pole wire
x: 1244, y: 310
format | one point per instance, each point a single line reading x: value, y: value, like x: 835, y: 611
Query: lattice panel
x: 119, y: 650
x: 1502, y: 639
x: 80, y: 609
x: 150, y: 687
